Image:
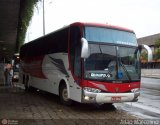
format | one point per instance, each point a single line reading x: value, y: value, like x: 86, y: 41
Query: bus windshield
x: 106, y: 35
x: 110, y: 62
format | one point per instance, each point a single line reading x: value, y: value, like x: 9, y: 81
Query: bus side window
x: 75, y: 51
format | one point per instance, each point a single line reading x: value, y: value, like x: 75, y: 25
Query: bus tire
x: 63, y: 93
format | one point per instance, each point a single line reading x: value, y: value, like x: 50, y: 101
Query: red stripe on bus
x: 111, y: 87
x: 33, y: 66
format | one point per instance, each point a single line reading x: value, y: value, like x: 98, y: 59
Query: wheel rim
x: 65, y: 94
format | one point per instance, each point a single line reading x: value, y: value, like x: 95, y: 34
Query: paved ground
x: 40, y: 108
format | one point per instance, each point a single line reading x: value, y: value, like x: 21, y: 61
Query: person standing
x: 8, y: 74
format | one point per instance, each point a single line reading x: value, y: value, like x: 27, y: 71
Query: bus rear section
x: 84, y: 62
x: 15, y: 63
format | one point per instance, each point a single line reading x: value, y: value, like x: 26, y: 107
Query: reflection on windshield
x: 129, y: 62
x: 100, y: 64
x: 103, y: 64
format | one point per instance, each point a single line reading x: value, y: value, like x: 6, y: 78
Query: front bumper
x: 90, y: 97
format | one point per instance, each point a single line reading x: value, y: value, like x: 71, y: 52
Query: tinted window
x: 52, y: 43
x: 75, y: 50
x: 100, y: 34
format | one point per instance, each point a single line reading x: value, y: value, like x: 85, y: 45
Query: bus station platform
x: 18, y: 107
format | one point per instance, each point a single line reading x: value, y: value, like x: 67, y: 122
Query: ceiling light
x: 3, y: 48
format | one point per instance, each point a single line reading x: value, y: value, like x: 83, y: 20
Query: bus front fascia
x: 91, y: 97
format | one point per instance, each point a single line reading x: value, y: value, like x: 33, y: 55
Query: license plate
x: 116, y: 99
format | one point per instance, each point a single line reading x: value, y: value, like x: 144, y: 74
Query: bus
x: 84, y: 62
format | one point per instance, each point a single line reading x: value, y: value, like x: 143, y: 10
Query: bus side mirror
x: 140, y: 48
x: 150, y: 55
x: 84, y: 49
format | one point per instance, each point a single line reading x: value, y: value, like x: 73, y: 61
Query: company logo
x: 9, y: 122
x: 116, y: 89
x: 100, y: 75
x: 4, y: 121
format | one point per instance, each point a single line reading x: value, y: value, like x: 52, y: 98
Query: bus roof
x: 102, y: 25
x: 66, y: 28
x: 84, y: 24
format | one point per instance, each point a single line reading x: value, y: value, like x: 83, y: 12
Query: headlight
x: 135, y: 90
x: 88, y: 89
x: 15, y: 76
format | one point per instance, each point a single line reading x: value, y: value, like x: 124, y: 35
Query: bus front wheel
x: 64, y: 95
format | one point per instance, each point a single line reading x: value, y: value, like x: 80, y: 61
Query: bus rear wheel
x: 64, y: 95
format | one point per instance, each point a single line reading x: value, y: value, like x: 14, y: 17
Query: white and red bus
x: 84, y: 62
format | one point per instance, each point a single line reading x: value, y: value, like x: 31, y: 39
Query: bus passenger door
x: 75, y: 63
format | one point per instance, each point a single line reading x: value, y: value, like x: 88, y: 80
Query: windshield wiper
x: 100, y: 49
x: 124, y: 68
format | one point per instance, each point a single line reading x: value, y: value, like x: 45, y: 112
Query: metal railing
x: 150, y: 65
